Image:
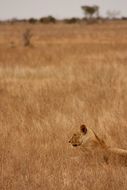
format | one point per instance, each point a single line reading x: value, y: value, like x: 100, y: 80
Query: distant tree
x: 23, y: 20
x: 124, y: 18
x: 32, y: 20
x: 91, y: 11
x: 71, y: 20
x: 13, y: 20
x: 113, y: 14
x: 48, y: 19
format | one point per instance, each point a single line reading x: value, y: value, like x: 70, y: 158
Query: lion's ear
x: 83, y: 129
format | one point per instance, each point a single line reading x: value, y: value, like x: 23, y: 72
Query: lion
x: 90, y: 143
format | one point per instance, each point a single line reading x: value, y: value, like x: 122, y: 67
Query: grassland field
x: 72, y: 74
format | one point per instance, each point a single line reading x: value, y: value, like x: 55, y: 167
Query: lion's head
x: 77, y: 138
x: 86, y: 138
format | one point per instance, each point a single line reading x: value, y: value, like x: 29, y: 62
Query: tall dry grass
x: 74, y: 74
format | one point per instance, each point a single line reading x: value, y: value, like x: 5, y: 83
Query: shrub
x: 32, y: 20
x: 124, y: 18
x: 27, y: 35
x: 71, y: 20
x: 47, y: 20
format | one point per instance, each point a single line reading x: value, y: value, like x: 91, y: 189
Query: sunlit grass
x: 72, y: 75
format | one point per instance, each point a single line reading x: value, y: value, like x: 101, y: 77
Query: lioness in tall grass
x: 91, y: 144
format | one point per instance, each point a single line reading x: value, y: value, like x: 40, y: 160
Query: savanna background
x: 70, y: 75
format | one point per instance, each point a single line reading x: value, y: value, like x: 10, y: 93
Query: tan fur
x: 89, y: 142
